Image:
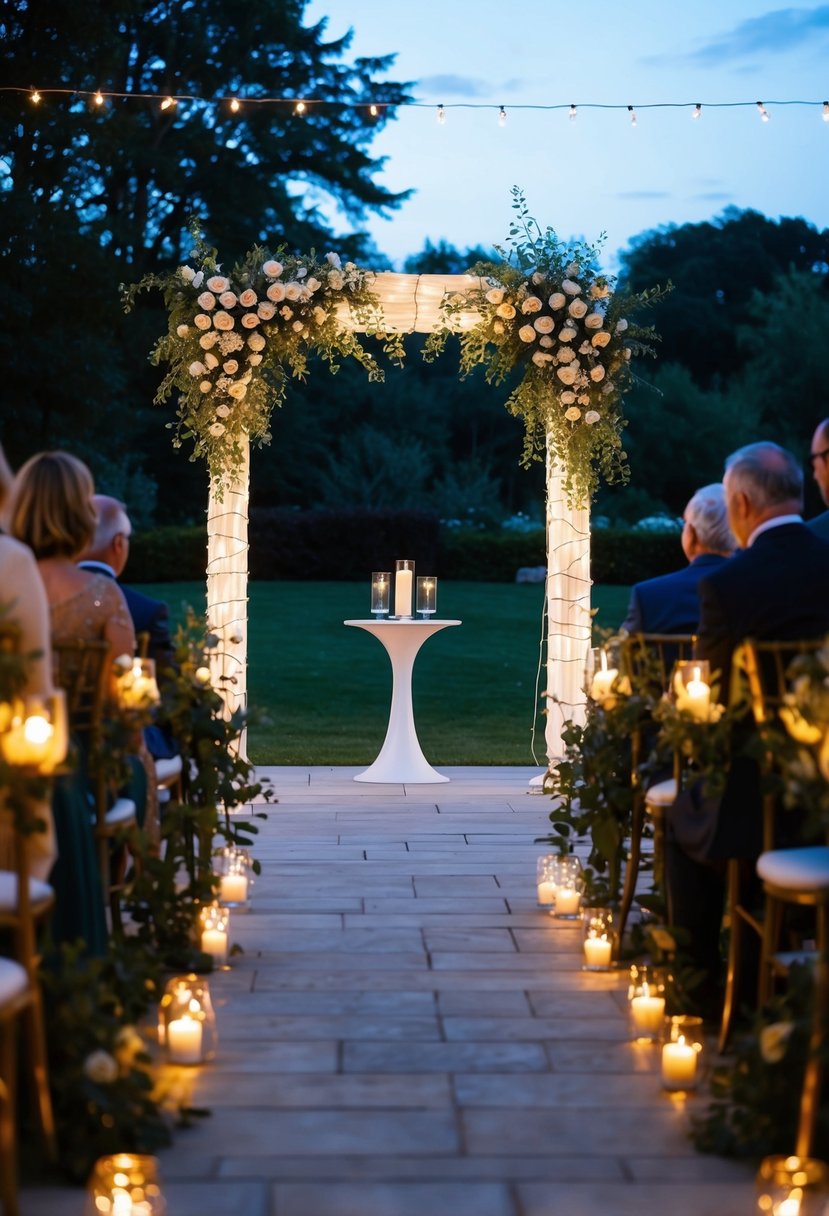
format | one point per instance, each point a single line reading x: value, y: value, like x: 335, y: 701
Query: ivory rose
x: 557, y: 300
x: 506, y: 311
x: 218, y: 283
x: 248, y: 298
x: 594, y: 321
x: 621, y: 325
x: 254, y: 360
x: 336, y: 281
x: 222, y: 410
x: 544, y: 325
x: 272, y: 269
x: 567, y: 397
x: 256, y: 342
x: 211, y: 361
x: 567, y: 334
x: 276, y: 292
x: 207, y: 341
x: 333, y: 259
x: 597, y: 374
x: 547, y: 342
x: 187, y: 273
x: 313, y: 285
x: 531, y: 304
x: 223, y: 320
x: 228, y: 299
x: 196, y: 368
x: 206, y: 301
x: 216, y: 429
x: 577, y: 309
x: 231, y: 367
x: 237, y: 391
x: 250, y: 320
x: 526, y: 333
x: 592, y: 417
x: 601, y: 338
x: 182, y: 331
x: 205, y: 386
x: 292, y: 291
x: 573, y: 414
x: 599, y: 290
x: 541, y: 359
x: 201, y: 321
x: 266, y: 310
x: 570, y: 288
x: 567, y: 375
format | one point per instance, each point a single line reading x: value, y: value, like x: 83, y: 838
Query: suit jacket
x: 820, y: 525
x: 670, y: 603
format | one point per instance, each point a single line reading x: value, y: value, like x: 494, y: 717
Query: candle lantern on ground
x: 186, y: 1021
x: 427, y: 596
x: 215, y: 927
x: 569, y: 888
x: 235, y: 874
x: 792, y: 1186
x: 546, y: 880
x: 403, y: 588
x: 599, y: 947
x: 646, y: 1002
x: 682, y: 1053
x: 33, y: 732
x: 380, y: 592
x: 125, y: 1184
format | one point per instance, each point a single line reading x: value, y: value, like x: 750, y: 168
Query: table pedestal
x: 401, y: 758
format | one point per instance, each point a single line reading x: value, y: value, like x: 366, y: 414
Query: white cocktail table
x: 401, y: 758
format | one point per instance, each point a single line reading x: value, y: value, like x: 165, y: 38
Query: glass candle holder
x: 33, y: 732
x: 136, y: 687
x: 186, y: 1021
x: 602, y: 674
x: 682, y: 1052
x: 646, y: 1003
x: 403, y: 588
x: 599, y: 941
x: 569, y: 888
x: 792, y: 1186
x: 692, y: 688
x: 233, y: 869
x: 380, y: 592
x: 125, y: 1184
x: 546, y: 880
x: 215, y: 929
x: 427, y: 595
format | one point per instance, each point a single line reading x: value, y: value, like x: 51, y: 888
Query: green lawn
x: 326, y: 688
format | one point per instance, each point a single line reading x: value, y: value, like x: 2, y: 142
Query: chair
x: 649, y: 659
x: 82, y: 670
x: 764, y: 665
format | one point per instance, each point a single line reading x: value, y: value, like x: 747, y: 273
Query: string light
x: 235, y: 107
x: 573, y: 112
x: 98, y: 98
x: 764, y: 114
x: 300, y: 107
x: 632, y: 113
x: 826, y: 111
x: 502, y: 117
x: 373, y: 111
x: 169, y: 103
x: 697, y: 110
x: 441, y: 115
x: 35, y: 96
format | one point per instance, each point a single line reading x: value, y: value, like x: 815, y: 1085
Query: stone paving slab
x: 407, y: 1034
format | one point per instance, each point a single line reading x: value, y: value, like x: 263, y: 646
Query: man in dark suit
x: 776, y: 589
x: 819, y: 457
x: 670, y: 603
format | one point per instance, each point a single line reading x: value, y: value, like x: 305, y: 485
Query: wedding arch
x: 545, y: 312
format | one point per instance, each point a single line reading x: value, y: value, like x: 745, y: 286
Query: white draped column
x: 227, y: 586
x: 568, y: 610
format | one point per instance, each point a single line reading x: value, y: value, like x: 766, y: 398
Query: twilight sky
x: 597, y: 173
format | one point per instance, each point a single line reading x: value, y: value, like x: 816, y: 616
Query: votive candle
x: 597, y: 951
x: 184, y: 1041
x: 679, y: 1065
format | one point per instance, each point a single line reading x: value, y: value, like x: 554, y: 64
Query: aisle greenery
x: 325, y: 689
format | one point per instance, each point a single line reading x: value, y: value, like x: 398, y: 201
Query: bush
x: 168, y: 555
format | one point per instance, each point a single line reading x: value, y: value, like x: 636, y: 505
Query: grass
x: 326, y: 688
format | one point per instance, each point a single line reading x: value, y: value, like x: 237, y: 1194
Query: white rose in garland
x: 269, y: 313
x: 572, y: 361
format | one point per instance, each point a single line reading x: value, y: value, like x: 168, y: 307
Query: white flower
x: 621, y: 326
x: 597, y: 373
x: 350, y: 266
x: 495, y: 295
x: 599, y: 290
x: 547, y: 342
x: 207, y: 341
x: 570, y: 288
x: 218, y: 283
x: 254, y: 360
x: 183, y: 331
x: 272, y: 269
x: 336, y: 280
x: 250, y: 320
x: 266, y: 310
x: 205, y: 386
x: 557, y: 300
x: 230, y: 367
x: 237, y: 391
x: 544, y: 325
x: 187, y: 273
x: 567, y: 375
x: 594, y: 321
x: 222, y: 410
x: 276, y: 292
x: 196, y: 368
x: 585, y: 348
x: 601, y: 339
x: 497, y: 327
x: 207, y: 301
x: 211, y: 361
x: 566, y: 354
x: 101, y: 1067
x: 540, y: 359
x: 292, y: 291
x: 526, y: 333
x: 256, y: 342
x: 201, y: 321
x: 313, y: 285
x: 531, y: 304
x: 297, y: 326
x: 286, y: 312
x: 567, y: 334
x: 228, y: 343
x: 248, y: 298
x: 567, y: 397
x: 198, y: 279
x: 320, y: 315
x: 223, y: 320
x: 301, y: 273
x: 228, y: 299
x: 577, y: 309
x: 505, y: 310
x: 774, y: 1040
x: 583, y: 399
x: 333, y: 259
x: 592, y: 417
x: 216, y: 429
x: 573, y: 414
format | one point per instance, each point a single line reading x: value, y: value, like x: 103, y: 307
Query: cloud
x: 784, y: 29
x: 643, y: 195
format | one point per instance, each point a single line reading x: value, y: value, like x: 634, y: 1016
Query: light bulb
x: 826, y: 111
x: 697, y: 111
x: 441, y: 115
x: 168, y: 103
x: 573, y: 112
x: 234, y: 106
x: 502, y: 117
x: 300, y: 107
x: 373, y: 111
x: 35, y: 96
x: 632, y: 113
x: 98, y: 98
x: 764, y: 114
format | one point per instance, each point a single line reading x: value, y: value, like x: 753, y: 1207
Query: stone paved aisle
x: 407, y: 1035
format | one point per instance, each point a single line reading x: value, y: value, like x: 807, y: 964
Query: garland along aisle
x: 545, y: 312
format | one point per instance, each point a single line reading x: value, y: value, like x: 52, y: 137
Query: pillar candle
x: 597, y: 951
x: 403, y: 593
x: 679, y: 1065
x: 233, y: 888
x: 184, y: 1041
x: 647, y: 1012
x: 567, y: 901
x: 214, y: 943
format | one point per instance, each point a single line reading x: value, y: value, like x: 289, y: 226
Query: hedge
x: 348, y: 545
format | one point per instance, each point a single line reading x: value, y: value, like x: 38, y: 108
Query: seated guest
x: 775, y: 589
x: 52, y: 513
x: 819, y: 457
x: 670, y: 603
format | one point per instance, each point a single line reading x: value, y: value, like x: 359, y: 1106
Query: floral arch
x: 545, y: 311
